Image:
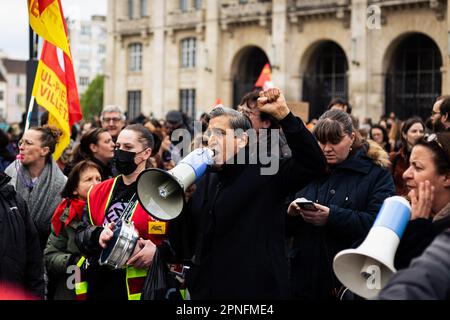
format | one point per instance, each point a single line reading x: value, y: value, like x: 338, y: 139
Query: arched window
x: 414, y: 78
x: 325, y: 78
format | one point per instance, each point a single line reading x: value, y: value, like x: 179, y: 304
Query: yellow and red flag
x: 47, y: 20
x: 265, y: 78
x: 55, y: 89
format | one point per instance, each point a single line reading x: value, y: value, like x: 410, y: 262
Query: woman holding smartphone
x: 344, y: 205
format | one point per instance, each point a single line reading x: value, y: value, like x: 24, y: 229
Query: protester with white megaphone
x: 344, y: 205
x: 112, y: 211
x: 428, y: 183
x: 232, y: 229
x: 366, y: 269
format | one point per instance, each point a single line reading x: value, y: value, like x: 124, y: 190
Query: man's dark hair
x: 445, y: 107
x: 236, y: 119
x: 341, y: 101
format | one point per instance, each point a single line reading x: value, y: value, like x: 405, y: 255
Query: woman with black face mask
x: 106, y: 203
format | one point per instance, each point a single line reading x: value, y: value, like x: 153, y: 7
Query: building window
x: 243, y: 1
x: 101, y: 48
x: 144, y: 8
x: 135, y: 56
x: 1, y: 96
x: 84, y: 64
x: 130, y: 9
x: 102, y: 32
x: 84, y: 81
x: 85, y: 30
x: 188, y: 48
x: 187, y: 102
x: 18, y: 80
x: 19, y: 100
x: 183, y: 5
x: 197, y: 4
x: 134, y: 104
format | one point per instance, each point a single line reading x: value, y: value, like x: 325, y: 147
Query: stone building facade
x: 382, y: 55
x: 13, y: 98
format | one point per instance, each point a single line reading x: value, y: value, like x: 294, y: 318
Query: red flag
x: 265, y: 78
x: 47, y: 20
x: 55, y: 89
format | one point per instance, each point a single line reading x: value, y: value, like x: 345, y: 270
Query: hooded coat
x: 354, y: 190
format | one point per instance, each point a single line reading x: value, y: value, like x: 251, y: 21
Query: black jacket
x: 234, y: 226
x: 354, y: 190
x: 20, y: 254
x: 427, y: 278
x: 418, y: 235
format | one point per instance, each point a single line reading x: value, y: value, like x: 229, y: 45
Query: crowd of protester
x: 243, y: 233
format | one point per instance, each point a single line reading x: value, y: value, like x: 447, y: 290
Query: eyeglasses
x: 108, y: 120
x: 433, y: 113
x: 25, y: 143
x: 434, y: 138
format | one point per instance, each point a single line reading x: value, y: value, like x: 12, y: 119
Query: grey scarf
x: 44, y: 197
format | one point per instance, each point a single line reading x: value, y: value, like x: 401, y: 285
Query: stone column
x: 110, y: 61
x: 358, y: 60
x: 277, y: 51
x: 208, y: 59
x: 158, y: 58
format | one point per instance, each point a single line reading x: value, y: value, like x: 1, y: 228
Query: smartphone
x: 306, y: 205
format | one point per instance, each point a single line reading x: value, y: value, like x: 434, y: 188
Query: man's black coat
x: 234, y: 226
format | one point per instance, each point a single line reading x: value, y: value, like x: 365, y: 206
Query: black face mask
x: 124, y: 161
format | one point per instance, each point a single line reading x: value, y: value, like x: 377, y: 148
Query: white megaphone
x: 161, y: 193
x: 367, y: 269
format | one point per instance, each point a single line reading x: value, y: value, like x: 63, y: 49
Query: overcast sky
x: 14, y: 22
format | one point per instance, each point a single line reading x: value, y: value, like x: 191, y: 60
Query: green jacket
x: 57, y: 253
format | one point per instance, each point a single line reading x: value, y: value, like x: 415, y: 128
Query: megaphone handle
x: 126, y: 214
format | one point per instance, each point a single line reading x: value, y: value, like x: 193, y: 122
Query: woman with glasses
x: 106, y: 203
x: 37, y: 177
x: 412, y: 130
x: 428, y: 183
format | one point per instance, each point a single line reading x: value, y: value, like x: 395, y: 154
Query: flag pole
x: 31, y: 74
x: 30, y: 111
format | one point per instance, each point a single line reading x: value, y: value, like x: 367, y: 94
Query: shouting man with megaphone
x: 232, y: 230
